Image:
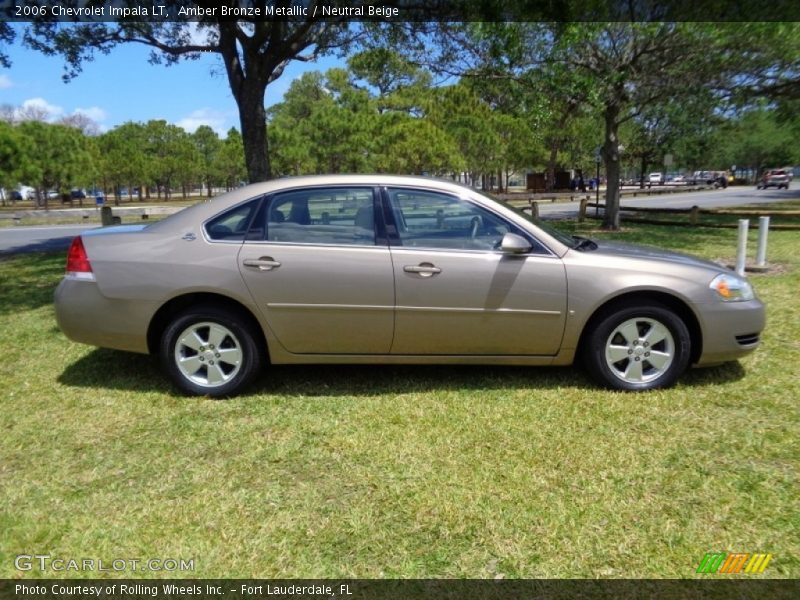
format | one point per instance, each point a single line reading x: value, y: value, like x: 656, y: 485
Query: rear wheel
x: 638, y: 348
x: 209, y: 351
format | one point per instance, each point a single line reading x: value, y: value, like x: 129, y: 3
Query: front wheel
x: 638, y: 348
x: 209, y: 351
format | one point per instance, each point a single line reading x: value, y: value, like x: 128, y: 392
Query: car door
x: 458, y: 293
x: 319, y: 271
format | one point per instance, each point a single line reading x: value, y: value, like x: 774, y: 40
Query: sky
x: 122, y: 86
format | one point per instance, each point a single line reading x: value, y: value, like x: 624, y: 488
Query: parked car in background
x: 778, y: 178
x: 715, y: 179
x: 385, y: 269
x: 24, y: 192
x: 656, y: 178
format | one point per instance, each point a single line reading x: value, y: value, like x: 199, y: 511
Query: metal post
x: 741, y: 250
x: 763, y: 230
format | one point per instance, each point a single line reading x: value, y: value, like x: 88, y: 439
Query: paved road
x: 18, y: 239
x: 15, y: 240
x: 732, y: 196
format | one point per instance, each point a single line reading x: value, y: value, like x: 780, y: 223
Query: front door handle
x: 423, y: 269
x: 265, y: 263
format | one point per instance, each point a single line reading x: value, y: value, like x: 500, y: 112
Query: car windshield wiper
x: 584, y: 243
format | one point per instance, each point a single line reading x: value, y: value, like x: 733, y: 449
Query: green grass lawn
x: 399, y: 471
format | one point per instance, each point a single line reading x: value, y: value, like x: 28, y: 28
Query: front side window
x: 342, y: 216
x: 427, y: 219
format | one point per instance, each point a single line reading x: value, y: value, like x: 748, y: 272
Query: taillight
x: 78, y: 264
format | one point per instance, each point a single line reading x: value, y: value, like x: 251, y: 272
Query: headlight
x: 731, y: 288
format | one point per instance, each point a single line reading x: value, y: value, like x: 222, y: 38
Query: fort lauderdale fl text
x: 170, y: 589
x: 386, y: 12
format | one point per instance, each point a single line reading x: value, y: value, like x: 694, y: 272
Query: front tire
x: 638, y: 348
x: 209, y: 351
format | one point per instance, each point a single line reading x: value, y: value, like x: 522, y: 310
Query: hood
x: 623, y: 250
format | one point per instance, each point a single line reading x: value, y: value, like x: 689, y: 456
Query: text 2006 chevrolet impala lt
x: 385, y: 269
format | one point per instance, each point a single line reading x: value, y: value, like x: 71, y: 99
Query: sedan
x: 362, y: 269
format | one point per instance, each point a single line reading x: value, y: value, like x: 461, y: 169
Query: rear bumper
x: 84, y: 315
x: 730, y: 330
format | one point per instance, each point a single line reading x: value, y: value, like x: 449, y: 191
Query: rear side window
x: 232, y: 225
x: 340, y: 216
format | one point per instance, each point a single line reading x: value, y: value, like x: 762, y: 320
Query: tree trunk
x: 611, y: 157
x: 253, y: 119
x: 550, y: 177
x: 643, y: 166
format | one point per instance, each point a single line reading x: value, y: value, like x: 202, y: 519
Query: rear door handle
x: 423, y: 269
x: 265, y: 263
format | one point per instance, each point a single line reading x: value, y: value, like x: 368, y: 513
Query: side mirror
x: 515, y: 244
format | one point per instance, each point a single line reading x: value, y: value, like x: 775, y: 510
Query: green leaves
x: 59, y: 155
x: 15, y: 153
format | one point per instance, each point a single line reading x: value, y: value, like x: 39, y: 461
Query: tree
x: 230, y: 160
x: 666, y: 128
x: 208, y: 145
x: 254, y: 52
x: 468, y: 120
x: 414, y: 146
x: 7, y: 36
x: 82, y: 122
x: 59, y: 156
x: 324, y: 125
x: 15, y: 165
x: 755, y: 140
x: 624, y: 67
x: 124, y: 162
x: 172, y: 156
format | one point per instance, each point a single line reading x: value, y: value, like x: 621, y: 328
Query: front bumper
x: 730, y: 330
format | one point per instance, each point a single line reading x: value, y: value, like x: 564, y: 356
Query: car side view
x: 388, y: 269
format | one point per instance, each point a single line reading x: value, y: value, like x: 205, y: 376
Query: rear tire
x: 209, y: 351
x: 637, y: 348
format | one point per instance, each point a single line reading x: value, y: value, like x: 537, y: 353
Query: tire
x: 209, y: 351
x: 626, y: 332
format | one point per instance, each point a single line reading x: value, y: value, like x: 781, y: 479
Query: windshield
x: 562, y: 237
